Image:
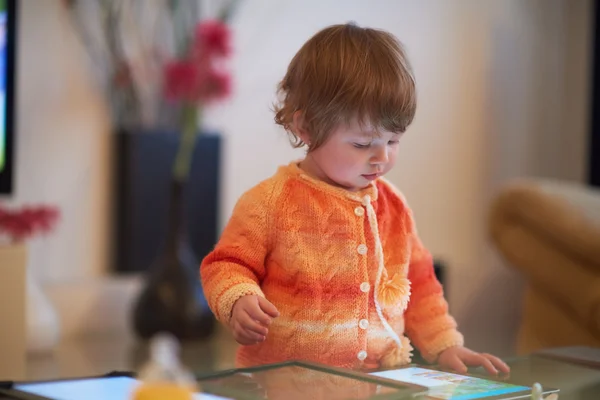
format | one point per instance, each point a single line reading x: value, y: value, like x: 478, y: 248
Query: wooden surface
x: 13, y: 263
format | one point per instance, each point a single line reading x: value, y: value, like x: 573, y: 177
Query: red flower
x: 181, y: 80
x: 195, y: 82
x: 197, y: 77
x: 20, y: 225
x: 213, y: 38
x: 216, y: 85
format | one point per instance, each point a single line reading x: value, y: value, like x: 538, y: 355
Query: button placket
x: 365, y: 287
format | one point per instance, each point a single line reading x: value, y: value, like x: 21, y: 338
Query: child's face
x: 354, y: 155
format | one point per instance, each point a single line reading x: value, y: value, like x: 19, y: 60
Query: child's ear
x: 298, y: 125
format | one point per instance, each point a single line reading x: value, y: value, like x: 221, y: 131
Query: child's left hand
x: 458, y: 358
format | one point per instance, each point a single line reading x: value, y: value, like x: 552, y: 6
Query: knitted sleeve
x: 428, y: 323
x: 236, y: 266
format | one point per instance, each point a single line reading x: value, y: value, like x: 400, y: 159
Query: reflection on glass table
x: 302, y: 380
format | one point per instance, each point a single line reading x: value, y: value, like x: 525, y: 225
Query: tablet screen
x: 113, y: 388
x: 448, y: 386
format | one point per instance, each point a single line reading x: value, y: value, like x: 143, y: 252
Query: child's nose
x: 380, y: 156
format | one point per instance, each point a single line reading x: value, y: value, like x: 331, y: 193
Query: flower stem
x: 183, y: 160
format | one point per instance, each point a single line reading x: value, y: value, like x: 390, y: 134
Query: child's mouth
x: 371, y: 177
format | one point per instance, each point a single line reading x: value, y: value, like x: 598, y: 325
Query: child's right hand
x: 250, y: 317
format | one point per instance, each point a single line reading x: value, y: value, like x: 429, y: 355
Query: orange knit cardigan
x: 346, y: 270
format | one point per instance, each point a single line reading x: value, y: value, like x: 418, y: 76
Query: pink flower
x: 216, y: 85
x: 212, y: 38
x: 19, y: 225
x: 197, y: 77
x: 191, y: 82
x: 181, y: 80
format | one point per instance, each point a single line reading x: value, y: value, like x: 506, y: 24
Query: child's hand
x: 250, y: 317
x: 458, y: 358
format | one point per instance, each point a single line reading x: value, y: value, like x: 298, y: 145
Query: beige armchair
x: 550, y: 232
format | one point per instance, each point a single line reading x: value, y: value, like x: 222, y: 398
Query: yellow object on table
x: 164, y: 377
x: 161, y: 391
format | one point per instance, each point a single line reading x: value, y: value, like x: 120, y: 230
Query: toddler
x: 322, y: 261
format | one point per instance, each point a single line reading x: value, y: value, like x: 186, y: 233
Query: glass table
x: 576, y: 382
x: 97, y: 356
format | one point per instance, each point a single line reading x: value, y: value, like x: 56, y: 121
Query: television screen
x: 7, y: 81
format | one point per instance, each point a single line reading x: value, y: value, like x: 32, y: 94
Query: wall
x: 62, y: 139
x: 533, y: 103
x: 502, y: 93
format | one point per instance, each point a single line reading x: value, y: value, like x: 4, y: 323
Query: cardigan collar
x: 293, y: 170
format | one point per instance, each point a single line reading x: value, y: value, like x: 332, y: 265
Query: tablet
x: 448, y: 386
x: 113, y: 388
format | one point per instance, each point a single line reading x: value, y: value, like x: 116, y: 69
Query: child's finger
x: 253, y: 337
x: 498, y: 363
x: 244, y: 337
x: 239, y: 334
x: 457, y: 365
x: 248, y: 339
x: 256, y: 313
x: 485, y: 363
x: 268, y: 307
x: 250, y: 324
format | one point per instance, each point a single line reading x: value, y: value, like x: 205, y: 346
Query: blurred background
x: 505, y: 91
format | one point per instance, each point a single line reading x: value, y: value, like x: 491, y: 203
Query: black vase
x: 172, y: 299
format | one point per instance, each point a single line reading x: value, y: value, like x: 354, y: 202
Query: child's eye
x: 393, y: 142
x: 361, y: 146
